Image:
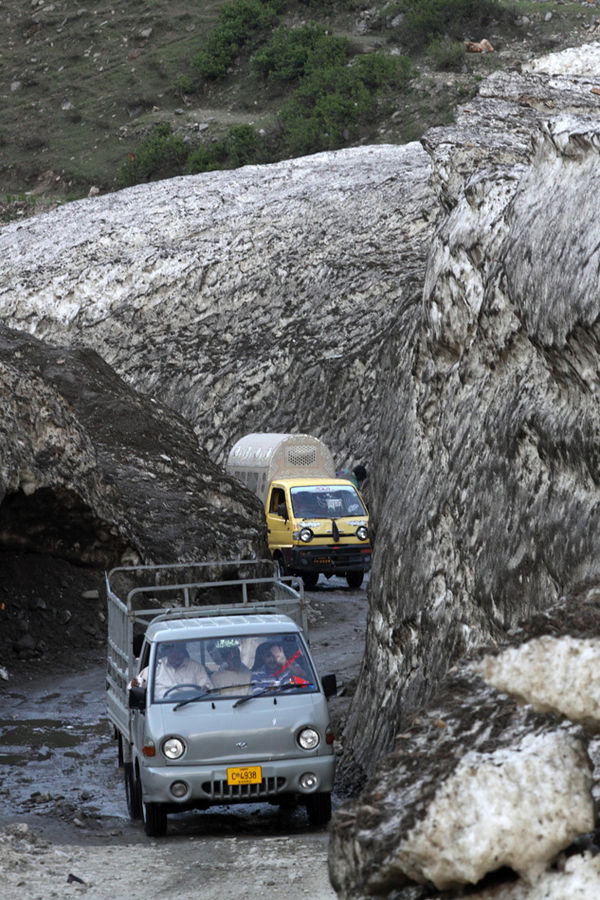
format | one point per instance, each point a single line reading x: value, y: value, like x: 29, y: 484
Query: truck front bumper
x: 331, y: 560
x: 208, y: 784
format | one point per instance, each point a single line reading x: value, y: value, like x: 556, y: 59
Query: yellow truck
x: 316, y: 523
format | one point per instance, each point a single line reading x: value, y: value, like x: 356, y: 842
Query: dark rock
x: 24, y: 644
x: 97, y: 474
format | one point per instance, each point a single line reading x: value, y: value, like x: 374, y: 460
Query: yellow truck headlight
x: 362, y: 532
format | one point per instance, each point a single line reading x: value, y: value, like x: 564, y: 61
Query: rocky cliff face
x: 254, y: 300
x: 486, y: 485
x: 295, y: 296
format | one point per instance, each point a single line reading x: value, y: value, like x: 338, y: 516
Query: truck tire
x: 280, y: 562
x: 287, y: 801
x: 354, y: 579
x: 318, y: 807
x: 155, y: 819
x: 133, y: 792
x: 310, y: 579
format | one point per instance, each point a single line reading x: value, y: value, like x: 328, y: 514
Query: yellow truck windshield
x: 326, y: 501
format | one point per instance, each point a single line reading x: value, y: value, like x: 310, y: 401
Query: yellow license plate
x: 245, y: 775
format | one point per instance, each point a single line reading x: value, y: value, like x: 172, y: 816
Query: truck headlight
x: 305, y: 535
x: 362, y: 532
x: 309, y: 738
x: 173, y: 748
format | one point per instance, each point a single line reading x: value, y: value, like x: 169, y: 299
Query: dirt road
x: 64, y: 829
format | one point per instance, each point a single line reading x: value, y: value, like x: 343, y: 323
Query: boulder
x: 97, y: 474
x: 480, y: 784
x: 558, y: 675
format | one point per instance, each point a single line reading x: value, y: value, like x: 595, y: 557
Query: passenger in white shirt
x: 174, y: 668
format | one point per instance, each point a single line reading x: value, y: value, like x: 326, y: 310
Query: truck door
x: 279, y: 522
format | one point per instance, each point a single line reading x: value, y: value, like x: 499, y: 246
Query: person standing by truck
x: 357, y: 475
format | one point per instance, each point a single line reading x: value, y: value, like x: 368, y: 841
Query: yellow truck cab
x: 316, y: 523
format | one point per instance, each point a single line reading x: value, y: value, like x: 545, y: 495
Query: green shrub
x: 294, y: 52
x: 203, y: 159
x: 425, y: 20
x: 160, y: 155
x: 378, y: 71
x: 241, y: 146
x: 324, y: 112
x: 183, y: 84
x: 447, y: 55
x: 237, y: 26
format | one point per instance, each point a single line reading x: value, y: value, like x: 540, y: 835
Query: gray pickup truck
x: 213, y: 693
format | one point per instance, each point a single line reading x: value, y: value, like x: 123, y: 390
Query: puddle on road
x: 66, y: 762
x: 67, y: 755
x: 37, y: 739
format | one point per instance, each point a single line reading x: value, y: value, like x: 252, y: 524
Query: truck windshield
x: 233, y: 666
x: 326, y: 501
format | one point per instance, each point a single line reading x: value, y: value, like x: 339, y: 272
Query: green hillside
x: 104, y: 95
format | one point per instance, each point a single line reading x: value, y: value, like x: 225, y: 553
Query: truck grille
x: 220, y: 790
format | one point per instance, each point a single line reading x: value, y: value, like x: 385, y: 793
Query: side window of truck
x: 277, y: 500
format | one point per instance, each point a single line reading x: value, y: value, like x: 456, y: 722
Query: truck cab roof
x: 189, y: 628
x: 294, y: 481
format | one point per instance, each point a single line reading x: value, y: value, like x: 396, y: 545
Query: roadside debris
x: 482, y: 46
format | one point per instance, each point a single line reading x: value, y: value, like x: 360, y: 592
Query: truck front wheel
x: 155, y: 819
x: 280, y: 562
x: 354, y: 579
x: 318, y: 807
x: 133, y: 792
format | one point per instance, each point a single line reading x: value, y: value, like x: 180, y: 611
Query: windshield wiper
x: 207, y: 693
x: 269, y: 688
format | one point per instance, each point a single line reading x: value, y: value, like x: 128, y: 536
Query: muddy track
x: 62, y: 804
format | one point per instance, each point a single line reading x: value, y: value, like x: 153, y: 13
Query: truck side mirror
x: 137, y: 698
x: 329, y: 683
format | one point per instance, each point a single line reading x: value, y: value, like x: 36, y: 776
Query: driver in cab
x: 174, y: 668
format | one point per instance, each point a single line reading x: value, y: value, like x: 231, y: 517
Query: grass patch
x: 83, y: 87
x: 447, y: 55
x: 424, y: 21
